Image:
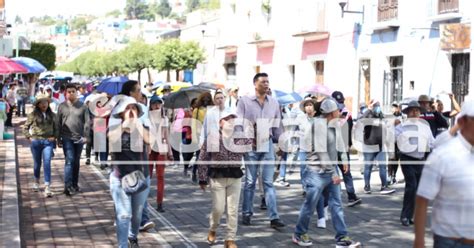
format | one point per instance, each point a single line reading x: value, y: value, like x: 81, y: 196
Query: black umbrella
x: 183, y: 97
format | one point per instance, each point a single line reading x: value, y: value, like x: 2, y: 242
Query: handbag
x: 134, y: 182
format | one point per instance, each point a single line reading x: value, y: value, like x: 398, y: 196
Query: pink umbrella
x: 8, y: 66
x: 317, y: 89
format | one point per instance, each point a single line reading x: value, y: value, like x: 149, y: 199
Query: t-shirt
x: 127, y: 154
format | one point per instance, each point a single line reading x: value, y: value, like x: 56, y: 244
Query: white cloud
x: 28, y: 8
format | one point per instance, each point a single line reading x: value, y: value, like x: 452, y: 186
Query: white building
x: 395, y: 50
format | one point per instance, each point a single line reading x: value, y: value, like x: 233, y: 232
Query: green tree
x: 79, y: 24
x: 138, y: 9
x: 164, y: 9
x: 137, y: 57
x: 192, y: 5
x: 46, y: 21
x: 211, y: 4
x: 44, y: 53
x: 173, y: 55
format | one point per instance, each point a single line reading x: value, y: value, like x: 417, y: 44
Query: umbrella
x: 32, y: 65
x: 211, y: 86
x: 287, y: 98
x: 8, y: 66
x: 175, y: 86
x: 183, y: 97
x: 318, y: 89
x: 112, y: 85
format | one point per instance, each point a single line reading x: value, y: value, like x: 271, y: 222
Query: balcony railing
x: 448, y: 6
x: 387, y: 10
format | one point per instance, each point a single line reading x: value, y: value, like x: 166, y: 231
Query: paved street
x: 87, y: 218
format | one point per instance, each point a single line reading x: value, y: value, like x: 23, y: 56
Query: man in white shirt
x: 447, y: 181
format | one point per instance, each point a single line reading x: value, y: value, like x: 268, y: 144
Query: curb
x: 10, y: 226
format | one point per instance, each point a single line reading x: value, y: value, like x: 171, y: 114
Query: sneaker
x: 276, y: 223
x: 211, y: 237
x: 353, y: 202
x: 133, y: 243
x: 302, y: 240
x: 47, y: 191
x: 394, y: 180
x: 282, y: 183
x: 263, y: 205
x: 36, y: 187
x: 67, y: 192
x: 386, y: 190
x: 346, y: 242
x: 367, y: 189
x: 147, y: 226
x: 322, y: 223
x: 246, y: 220
x: 88, y: 161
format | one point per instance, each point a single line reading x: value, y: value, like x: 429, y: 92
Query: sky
x: 28, y: 8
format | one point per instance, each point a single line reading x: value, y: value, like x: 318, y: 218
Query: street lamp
x: 344, y: 3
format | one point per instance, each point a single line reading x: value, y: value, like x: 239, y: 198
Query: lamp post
x: 344, y: 3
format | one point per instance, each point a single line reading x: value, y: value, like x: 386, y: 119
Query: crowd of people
x: 133, y: 135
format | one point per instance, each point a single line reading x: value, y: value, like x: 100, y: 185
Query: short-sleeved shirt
x: 447, y: 180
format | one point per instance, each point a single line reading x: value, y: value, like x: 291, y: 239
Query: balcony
x: 313, y: 23
x: 387, y: 10
x: 443, y: 10
x: 448, y: 6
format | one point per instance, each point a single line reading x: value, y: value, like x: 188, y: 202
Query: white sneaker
x: 36, y: 187
x: 322, y: 223
x: 47, y: 191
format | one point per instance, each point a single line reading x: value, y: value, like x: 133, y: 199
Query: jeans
x: 302, y: 160
x: 315, y: 183
x: 157, y: 160
x: 369, y: 159
x: 347, y: 177
x: 251, y: 171
x: 412, y: 174
x: 283, y: 162
x: 20, y: 106
x: 128, y: 211
x: 225, y: 192
x: 443, y: 242
x: 42, y: 149
x: 72, y: 154
x: 145, y: 217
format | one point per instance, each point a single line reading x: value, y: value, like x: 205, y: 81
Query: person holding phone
x: 73, y: 128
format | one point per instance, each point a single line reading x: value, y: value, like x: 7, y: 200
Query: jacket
x: 38, y: 127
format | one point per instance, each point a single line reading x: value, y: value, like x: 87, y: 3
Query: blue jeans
x: 128, y: 211
x: 268, y: 170
x: 72, y: 154
x: 145, y: 217
x: 283, y: 162
x: 442, y: 242
x: 320, y: 205
x: 42, y: 149
x: 369, y: 159
x: 315, y: 183
x: 20, y: 104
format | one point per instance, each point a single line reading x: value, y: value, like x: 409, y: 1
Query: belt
x: 459, y: 240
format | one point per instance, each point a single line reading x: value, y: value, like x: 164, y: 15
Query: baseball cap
x: 227, y: 114
x: 338, y: 96
x: 329, y: 105
x: 467, y: 108
x: 166, y: 87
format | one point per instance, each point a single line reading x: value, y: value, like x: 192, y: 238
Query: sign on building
x: 455, y: 36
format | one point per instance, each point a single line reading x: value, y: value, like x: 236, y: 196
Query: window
x: 387, y: 10
x: 230, y: 69
x: 319, y: 68
x: 448, y: 6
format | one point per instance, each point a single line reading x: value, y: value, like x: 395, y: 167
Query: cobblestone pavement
x: 87, y: 219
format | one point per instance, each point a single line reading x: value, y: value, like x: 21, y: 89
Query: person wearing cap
x: 310, y: 107
x: 373, y: 131
x: 54, y: 103
x: 73, y: 130
x: 157, y: 158
x: 446, y: 181
x: 222, y: 171
x: 434, y: 118
x: 252, y: 108
x: 21, y: 98
x: 346, y: 119
x: 413, y: 152
x: 322, y: 172
x: 41, y: 131
x: 128, y: 206
x: 166, y: 90
x: 11, y: 99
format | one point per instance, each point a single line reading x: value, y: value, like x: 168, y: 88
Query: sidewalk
x: 85, y: 219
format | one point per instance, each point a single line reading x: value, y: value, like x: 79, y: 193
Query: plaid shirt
x: 447, y: 180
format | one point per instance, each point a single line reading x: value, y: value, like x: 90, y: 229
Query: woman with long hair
x: 41, y: 130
